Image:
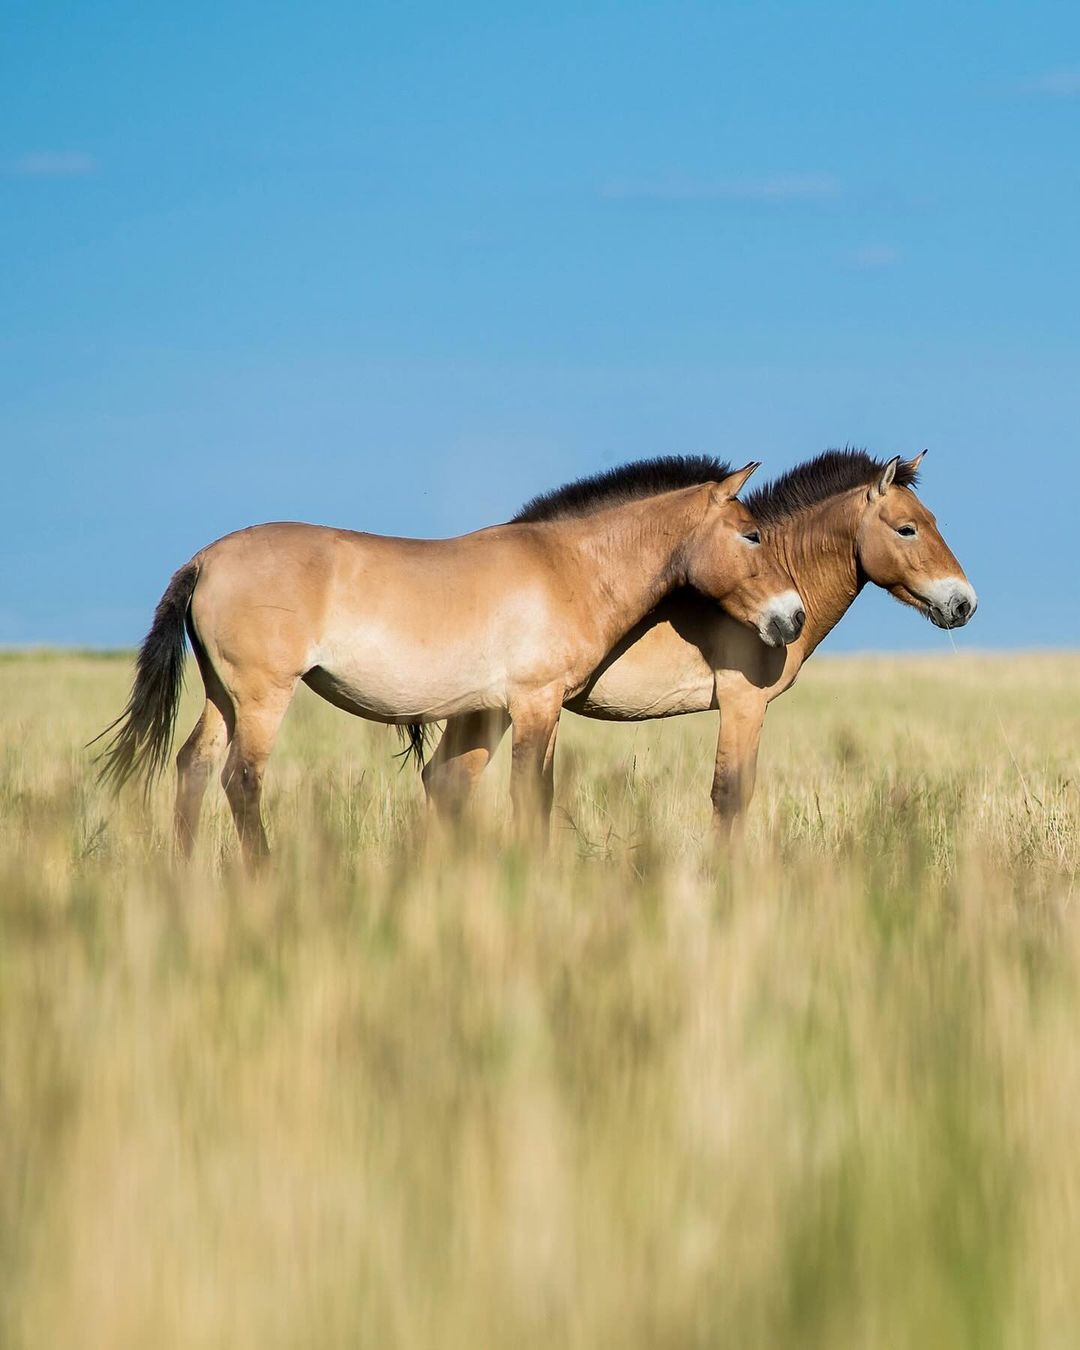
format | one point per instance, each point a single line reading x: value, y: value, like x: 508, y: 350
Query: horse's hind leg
x: 258, y: 719
x: 462, y: 755
x: 194, y: 767
x: 200, y: 753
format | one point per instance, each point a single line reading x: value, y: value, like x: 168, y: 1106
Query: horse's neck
x: 818, y: 549
x: 636, y: 554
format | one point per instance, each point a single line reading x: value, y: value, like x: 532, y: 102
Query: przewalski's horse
x: 511, y: 620
x: 835, y: 523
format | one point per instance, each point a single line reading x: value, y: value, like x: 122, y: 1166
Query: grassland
x: 824, y: 1093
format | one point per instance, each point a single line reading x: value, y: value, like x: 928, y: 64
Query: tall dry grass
x: 823, y: 1093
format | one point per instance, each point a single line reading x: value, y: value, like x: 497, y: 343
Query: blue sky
x: 398, y: 267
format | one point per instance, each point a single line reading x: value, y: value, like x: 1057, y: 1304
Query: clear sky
x: 399, y: 266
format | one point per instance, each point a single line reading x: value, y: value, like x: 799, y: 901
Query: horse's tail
x: 414, y: 738
x: 142, y: 734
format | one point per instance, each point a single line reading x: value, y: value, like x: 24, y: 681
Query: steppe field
x: 823, y: 1092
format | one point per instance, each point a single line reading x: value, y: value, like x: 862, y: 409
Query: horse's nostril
x: 799, y: 618
x: 962, y: 608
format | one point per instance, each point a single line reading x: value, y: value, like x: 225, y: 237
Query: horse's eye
x: 752, y: 536
x: 907, y: 531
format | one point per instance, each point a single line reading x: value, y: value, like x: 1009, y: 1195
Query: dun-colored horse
x: 511, y: 620
x: 834, y: 523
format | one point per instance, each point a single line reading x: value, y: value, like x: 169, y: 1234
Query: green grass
x: 820, y: 1093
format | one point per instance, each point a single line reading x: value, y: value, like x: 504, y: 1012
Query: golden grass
x: 824, y: 1093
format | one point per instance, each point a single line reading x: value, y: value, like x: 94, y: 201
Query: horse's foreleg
x: 258, y: 719
x: 736, y: 762
x: 532, y: 768
x: 464, y: 752
x: 194, y: 767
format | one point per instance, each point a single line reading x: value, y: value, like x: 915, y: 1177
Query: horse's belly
x: 627, y: 693
x: 378, y: 675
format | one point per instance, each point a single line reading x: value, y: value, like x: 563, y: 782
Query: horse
x: 835, y: 522
x: 512, y: 619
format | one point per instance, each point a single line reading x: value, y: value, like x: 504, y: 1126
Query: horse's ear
x: 912, y: 466
x: 733, y: 484
x: 885, y: 482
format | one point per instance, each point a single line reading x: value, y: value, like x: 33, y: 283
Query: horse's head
x: 899, y: 547
x: 729, y: 563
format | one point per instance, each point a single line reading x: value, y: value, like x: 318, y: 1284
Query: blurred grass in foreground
x: 821, y: 1094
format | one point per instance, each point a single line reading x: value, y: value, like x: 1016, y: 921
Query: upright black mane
x: 643, y: 478
x: 825, y: 476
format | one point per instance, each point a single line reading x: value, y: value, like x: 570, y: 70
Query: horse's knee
x: 194, y: 765
x: 242, y: 781
x: 196, y: 757
x: 447, y: 787
x: 726, y: 797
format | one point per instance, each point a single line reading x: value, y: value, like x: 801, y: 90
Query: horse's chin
x: 770, y: 636
x: 900, y: 592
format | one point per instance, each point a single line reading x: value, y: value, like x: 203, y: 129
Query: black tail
x: 414, y: 736
x: 142, y: 734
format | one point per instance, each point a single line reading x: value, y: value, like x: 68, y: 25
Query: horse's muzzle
x: 782, y: 620
x: 953, y: 604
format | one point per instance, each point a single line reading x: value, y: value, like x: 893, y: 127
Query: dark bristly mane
x: 643, y: 478
x: 826, y: 476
